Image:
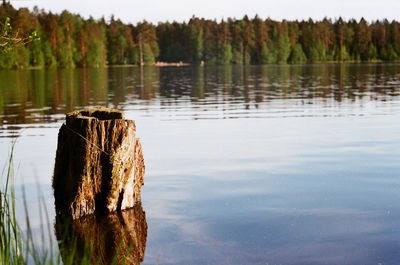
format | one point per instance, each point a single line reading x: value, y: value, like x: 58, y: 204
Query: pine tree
x: 298, y: 56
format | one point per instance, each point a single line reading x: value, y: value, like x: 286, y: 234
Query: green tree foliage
x: 264, y: 54
x: 298, y: 56
x: 68, y: 40
x: 390, y: 54
x: 148, y: 56
x: 248, y: 36
x: 272, y: 51
x: 224, y: 54
x: 283, y: 47
x: 95, y: 53
x: 343, y: 55
x: 370, y: 53
x: 117, y: 42
x: 237, y: 54
x: 194, y: 50
x: 318, y: 53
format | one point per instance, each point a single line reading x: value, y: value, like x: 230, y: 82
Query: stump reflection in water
x: 117, y: 238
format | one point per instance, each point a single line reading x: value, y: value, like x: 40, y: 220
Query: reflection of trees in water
x: 34, y: 96
x: 100, y: 239
x: 197, y: 80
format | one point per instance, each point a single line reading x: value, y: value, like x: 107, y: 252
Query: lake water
x: 244, y: 165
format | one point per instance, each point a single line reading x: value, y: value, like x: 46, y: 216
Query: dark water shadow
x: 117, y: 238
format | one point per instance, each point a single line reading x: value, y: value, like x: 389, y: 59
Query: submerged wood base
x: 99, y: 163
x: 117, y: 238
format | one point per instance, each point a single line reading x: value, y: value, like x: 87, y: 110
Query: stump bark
x: 99, y: 163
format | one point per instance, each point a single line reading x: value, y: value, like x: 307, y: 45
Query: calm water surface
x: 244, y: 165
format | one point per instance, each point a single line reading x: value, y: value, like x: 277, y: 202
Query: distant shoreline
x: 162, y: 64
x: 181, y: 64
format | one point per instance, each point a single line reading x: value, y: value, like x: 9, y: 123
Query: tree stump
x: 99, y: 163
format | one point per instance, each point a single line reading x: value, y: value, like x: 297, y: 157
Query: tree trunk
x: 141, y: 49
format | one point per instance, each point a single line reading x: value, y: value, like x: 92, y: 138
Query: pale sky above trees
x: 132, y: 11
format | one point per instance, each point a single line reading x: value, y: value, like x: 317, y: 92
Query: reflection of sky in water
x: 322, y: 191
x: 229, y: 180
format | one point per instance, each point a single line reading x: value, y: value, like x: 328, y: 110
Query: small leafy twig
x: 9, y: 41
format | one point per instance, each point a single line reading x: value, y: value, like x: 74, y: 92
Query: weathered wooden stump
x: 99, y: 163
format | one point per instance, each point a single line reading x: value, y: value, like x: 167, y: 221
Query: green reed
x: 13, y: 249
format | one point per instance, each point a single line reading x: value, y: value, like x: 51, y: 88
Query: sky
x: 133, y: 11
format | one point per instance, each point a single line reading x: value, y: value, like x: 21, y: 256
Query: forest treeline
x: 68, y: 40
